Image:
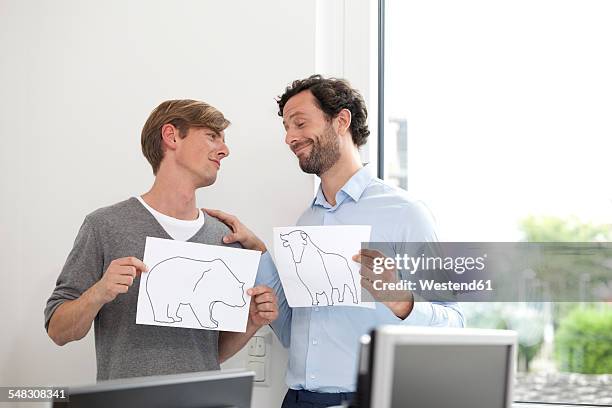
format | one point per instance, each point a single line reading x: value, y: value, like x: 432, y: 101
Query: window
x: 497, y: 114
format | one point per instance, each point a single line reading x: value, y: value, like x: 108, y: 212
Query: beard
x: 324, y: 154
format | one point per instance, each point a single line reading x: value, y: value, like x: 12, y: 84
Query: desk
x: 532, y: 405
x: 544, y: 405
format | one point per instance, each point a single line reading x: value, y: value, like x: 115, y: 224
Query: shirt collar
x: 354, y: 188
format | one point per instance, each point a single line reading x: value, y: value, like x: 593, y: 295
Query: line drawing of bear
x: 322, y: 273
x: 195, y: 292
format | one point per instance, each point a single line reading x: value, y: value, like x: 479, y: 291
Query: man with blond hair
x: 184, y: 142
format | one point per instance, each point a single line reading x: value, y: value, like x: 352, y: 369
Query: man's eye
x: 300, y: 125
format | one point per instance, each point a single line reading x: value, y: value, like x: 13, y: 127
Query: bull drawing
x: 322, y: 273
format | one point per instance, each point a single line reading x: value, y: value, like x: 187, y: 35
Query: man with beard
x: 326, y: 123
x: 184, y: 141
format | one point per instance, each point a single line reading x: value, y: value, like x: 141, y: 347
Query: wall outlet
x: 258, y: 359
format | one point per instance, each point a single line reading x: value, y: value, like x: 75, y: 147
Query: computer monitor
x: 426, y: 367
x: 208, y: 389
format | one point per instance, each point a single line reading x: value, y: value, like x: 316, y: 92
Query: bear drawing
x: 200, y: 289
x: 322, y: 273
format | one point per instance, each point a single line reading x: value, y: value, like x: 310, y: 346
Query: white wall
x: 77, y: 80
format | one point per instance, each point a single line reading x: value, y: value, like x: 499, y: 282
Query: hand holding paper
x: 118, y: 278
x: 264, y: 306
x: 400, y: 302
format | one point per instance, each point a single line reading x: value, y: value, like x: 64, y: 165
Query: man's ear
x: 169, y: 134
x: 344, y: 121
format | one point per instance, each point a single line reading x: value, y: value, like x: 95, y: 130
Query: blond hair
x: 183, y: 114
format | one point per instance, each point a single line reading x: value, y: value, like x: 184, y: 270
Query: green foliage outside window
x: 583, y: 342
x: 583, y: 338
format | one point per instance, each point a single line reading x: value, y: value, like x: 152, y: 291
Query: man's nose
x: 291, y: 137
x: 223, y: 151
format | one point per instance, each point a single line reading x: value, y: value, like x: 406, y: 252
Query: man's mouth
x: 301, y: 148
x: 217, y: 163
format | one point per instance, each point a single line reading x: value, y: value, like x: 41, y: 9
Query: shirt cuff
x: 420, y: 315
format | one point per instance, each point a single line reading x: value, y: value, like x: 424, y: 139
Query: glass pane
x: 498, y: 117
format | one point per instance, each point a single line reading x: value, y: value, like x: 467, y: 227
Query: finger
x: 364, y: 260
x: 222, y: 216
x: 119, y: 288
x: 265, y: 298
x: 258, y: 290
x: 128, y: 271
x: 127, y: 280
x: 269, y: 316
x: 367, y: 267
x: 215, y: 213
x: 231, y: 238
x: 371, y: 253
x: 133, y: 261
x: 368, y: 274
x: 368, y: 285
x: 266, y: 307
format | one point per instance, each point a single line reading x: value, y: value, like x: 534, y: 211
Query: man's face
x: 310, y: 134
x: 200, y: 154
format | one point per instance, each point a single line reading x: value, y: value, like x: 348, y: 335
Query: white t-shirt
x: 180, y: 230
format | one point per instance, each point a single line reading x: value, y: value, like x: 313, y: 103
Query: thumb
x: 230, y: 238
x: 210, y: 211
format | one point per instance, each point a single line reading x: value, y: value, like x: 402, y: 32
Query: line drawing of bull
x: 196, y: 292
x: 322, y: 273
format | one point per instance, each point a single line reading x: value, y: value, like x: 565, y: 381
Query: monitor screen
x: 209, y: 389
x: 457, y: 376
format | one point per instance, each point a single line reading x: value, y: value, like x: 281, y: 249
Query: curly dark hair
x: 332, y: 95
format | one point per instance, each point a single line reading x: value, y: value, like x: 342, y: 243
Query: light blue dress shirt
x: 323, y: 341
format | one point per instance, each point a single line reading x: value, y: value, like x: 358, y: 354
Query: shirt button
x: 316, y: 309
x: 315, y: 342
x: 312, y: 376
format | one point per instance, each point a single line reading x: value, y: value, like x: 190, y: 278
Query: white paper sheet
x: 195, y: 285
x: 316, y: 267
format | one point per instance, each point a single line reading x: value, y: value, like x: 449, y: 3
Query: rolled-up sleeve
x: 421, y: 227
x: 83, y: 268
x: 268, y: 275
x: 436, y: 314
